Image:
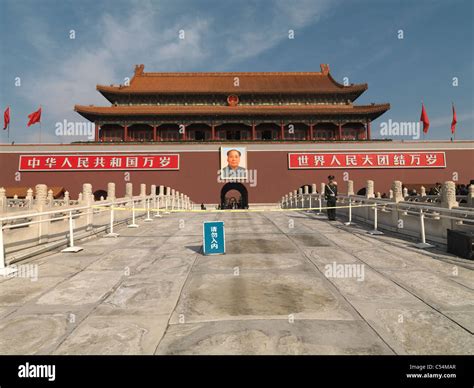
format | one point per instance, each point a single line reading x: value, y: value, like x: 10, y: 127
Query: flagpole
x: 454, y: 134
x: 422, y: 136
x: 40, y: 123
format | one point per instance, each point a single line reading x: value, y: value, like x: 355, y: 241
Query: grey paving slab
x: 417, y: 329
x: 118, y: 259
x: 84, y: 288
x: 267, y: 295
x: 147, y: 294
x: 109, y: 335
x: 272, y: 337
x: 259, y: 243
x: 230, y: 263
x: 436, y: 290
x: 32, y: 334
x: 18, y: 291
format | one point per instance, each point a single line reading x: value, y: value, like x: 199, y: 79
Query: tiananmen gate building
x: 196, y: 131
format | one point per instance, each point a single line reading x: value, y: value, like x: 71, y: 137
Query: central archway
x: 242, y: 203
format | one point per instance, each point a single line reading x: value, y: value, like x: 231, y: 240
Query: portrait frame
x: 227, y: 172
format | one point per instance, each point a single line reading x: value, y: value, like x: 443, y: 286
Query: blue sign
x: 213, y: 235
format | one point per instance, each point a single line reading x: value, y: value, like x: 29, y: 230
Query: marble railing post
x: 129, y: 190
x: 369, y: 193
x: 168, y: 197
x: 173, y: 203
x: 87, y: 200
x: 29, y: 198
x: 3, y: 200
x: 397, y: 191
x: 41, y: 192
x: 350, y: 187
x: 111, y: 191
x: 448, y: 200
x: 422, y: 191
x: 50, y: 198
x: 448, y: 195
x: 66, y: 198
x: 470, y: 196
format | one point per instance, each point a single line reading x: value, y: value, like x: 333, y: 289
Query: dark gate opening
x: 233, y: 201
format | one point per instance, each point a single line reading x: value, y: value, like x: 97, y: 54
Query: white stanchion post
x: 4, y: 271
x: 423, y: 244
x: 133, y: 224
x: 310, y: 196
x: 111, y: 231
x: 375, y: 231
x: 350, y: 213
x: 157, y: 206
x: 148, y: 218
x: 71, y: 247
x: 320, y: 206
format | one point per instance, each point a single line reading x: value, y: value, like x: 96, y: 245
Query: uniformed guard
x: 330, y: 193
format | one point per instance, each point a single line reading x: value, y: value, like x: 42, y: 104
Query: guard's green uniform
x: 330, y: 193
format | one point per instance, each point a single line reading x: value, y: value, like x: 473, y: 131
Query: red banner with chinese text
x: 310, y: 160
x: 99, y: 162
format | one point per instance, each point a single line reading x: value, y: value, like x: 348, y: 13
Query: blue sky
x: 357, y: 38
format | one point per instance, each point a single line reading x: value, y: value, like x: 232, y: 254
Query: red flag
x: 6, y: 118
x: 34, y: 117
x: 454, y: 122
x: 424, y: 118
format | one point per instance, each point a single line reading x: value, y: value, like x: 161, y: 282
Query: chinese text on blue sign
x: 213, y: 238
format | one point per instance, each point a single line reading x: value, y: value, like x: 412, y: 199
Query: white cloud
x: 254, y: 36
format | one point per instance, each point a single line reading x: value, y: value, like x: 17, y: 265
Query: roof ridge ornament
x: 324, y: 68
x: 139, y: 69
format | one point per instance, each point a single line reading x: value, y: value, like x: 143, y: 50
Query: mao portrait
x: 233, y: 163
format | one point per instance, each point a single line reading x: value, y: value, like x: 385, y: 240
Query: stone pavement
x: 151, y: 291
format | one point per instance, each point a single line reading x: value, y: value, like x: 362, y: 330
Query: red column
x: 311, y: 131
x: 125, y: 133
x: 368, y: 130
x: 282, y: 131
x: 339, y: 133
x: 97, y: 132
x: 253, y: 132
x: 154, y: 133
x: 213, y: 132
